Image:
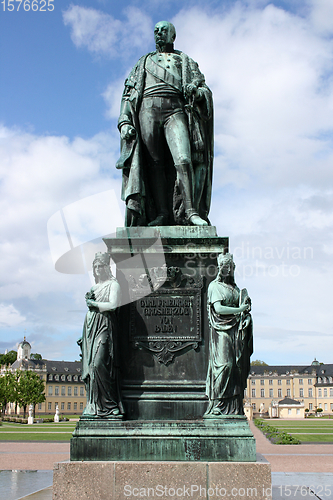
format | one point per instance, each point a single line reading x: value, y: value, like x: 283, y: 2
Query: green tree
x: 30, y: 389
x: 258, y: 362
x: 7, y: 387
x: 9, y: 358
x: 35, y: 356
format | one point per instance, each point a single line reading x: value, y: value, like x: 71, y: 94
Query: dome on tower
x: 23, y: 350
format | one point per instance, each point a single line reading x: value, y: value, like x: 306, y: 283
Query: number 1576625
x: 34, y: 5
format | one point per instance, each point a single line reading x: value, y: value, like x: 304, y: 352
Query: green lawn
x: 38, y: 432
x: 317, y: 430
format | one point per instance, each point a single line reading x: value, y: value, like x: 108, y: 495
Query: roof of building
x: 70, y: 367
x: 326, y: 369
x: 289, y: 401
x: 24, y: 342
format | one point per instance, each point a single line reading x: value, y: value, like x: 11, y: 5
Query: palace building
x: 291, y: 388
x: 63, y: 383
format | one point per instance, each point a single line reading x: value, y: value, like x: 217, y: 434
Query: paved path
x: 292, y: 457
x: 31, y: 455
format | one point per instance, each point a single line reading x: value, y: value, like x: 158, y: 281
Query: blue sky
x: 270, y: 67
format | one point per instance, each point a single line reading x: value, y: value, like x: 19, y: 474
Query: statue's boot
x: 185, y: 176
x: 157, y: 183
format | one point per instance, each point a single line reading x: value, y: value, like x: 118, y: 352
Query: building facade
x: 311, y: 385
x: 63, y: 383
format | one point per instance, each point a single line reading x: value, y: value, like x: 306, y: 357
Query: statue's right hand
x: 127, y: 132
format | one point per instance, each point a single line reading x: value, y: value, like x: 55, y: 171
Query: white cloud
x: 273, y: 98
x: 321, y: 15
x: 10, y: 316
x: 40, y: 176
x: 101, y: 33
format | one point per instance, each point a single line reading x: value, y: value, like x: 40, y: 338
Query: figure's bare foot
x: 161, y: 220
x: 196, y: 220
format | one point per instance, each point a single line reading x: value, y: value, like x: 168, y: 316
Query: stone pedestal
x: 164, y: 274
x: 198, y: 480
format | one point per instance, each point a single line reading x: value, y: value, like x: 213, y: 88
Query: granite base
x: 197, y: 480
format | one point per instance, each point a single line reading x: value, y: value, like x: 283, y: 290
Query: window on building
x: 325, y: 406
x: 69, y: 378
x: 55, y: 405
x: 39, y: 406
x: 56, y: 377
x: 62, y: 406
x: 271, y: 393
x: 279, y: 381
x: 325, y: 393
x: 254, y: 406
x: 288, y: 393
x: 49, y: 406
x: 270, y: 381
x: 319, y: 393
x: 63, y: 377
x: 262, y: 393
x: 310, y: 381
x: 279, y: 393
x: 63, y: 390
x: 301, y: 393
x: 331, y: 391
x: 245, y: 393
x: 81, y: 406
x: 81, y: 391
x: 288, y: 381
x: 320, y: 405
x: 75, y: 406
x: 298, y: 411
x: 262, y: 382
x: 253, y: 393
x: 310, y: 406
x: 300, y: 381
x: 310, y: 392
x: 253, y: 382
x: 75, y: 391
x: 331, y: 405
x: 50, y: 377
x: 68, y: 405
x: 50, y: 390
x: 289, y: 411
x: 56, y: 390
x: 69, y: 391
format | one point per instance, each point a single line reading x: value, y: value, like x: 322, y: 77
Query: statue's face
x: 164, y: 33
x: 100, y: 271
x: 226, y: 268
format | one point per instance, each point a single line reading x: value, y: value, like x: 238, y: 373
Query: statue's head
x: 226, y: 264
x: 164, y: 33
x: 101, y: 267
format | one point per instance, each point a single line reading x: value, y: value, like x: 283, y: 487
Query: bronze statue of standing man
x: 166, y: 127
